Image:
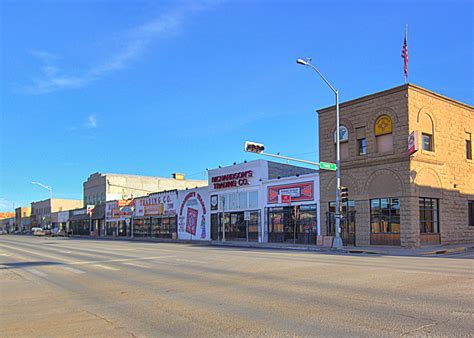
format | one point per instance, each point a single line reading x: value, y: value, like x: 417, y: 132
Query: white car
x: 37, y: 231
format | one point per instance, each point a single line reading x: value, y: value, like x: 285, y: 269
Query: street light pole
x: 50, y: 197
x: 337, y: 244
x: 46, y: 187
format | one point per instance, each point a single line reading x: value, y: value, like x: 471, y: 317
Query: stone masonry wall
x: 445, y: 173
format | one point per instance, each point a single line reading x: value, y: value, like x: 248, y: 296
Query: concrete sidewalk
x: 429, y: 250
x: 376, y: 250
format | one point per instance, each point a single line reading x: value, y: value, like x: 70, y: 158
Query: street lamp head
x: 302, y: 62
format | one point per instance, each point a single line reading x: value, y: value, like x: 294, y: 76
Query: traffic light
x: 253, y: 147
x: 344, y: 194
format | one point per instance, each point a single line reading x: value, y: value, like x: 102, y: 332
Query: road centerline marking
x: 105, y: 267
x: 37, y: 272
x: 76, y: 271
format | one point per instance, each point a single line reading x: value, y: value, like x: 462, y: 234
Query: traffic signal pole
x: 290, y: 158
x: 337, y: 243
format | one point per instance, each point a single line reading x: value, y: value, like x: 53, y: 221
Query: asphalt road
x: 71, y: 287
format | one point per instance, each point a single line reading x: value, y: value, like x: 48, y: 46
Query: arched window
x: 344, y: 139
x: 427, y: 132
x: 383, y: 134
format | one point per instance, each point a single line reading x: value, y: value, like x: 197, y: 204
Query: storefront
x: 242, y: 197
x: 236, y: 201
x: 60, y: 220
x: 98, y: 220
x: 193, y: 214
x: 292, y: 211
x: 80, y: 222
x: 118, y: 215
x: 155, y: 216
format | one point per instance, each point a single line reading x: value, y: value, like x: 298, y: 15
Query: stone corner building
x: 401, y: 192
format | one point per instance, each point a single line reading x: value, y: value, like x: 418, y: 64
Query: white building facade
x: 243, y: 205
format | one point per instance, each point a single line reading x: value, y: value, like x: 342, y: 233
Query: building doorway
x: 237, y: 226
x: 292, y: 224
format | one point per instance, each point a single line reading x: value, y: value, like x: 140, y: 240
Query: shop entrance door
x: 348, y: 222
x: 235, y: 226
x: 215, y: 227
x: 292, y: 224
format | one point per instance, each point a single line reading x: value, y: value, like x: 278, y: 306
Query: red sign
x: 123, y: 203
x: 90, y: 209
x: 412, y: 142
x: 231, y: 180
x: 285, y: 199
x: 298, y: 192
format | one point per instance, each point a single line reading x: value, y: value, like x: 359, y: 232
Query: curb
x: 445, y: 251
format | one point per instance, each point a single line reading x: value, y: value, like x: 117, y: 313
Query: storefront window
x: 253, y: 199
x: 385, y: 215
x: 158, y: 227
x: 243, y: 200
x: 235, y: 225
x: 111, y: 228
x: 429, y: 217
x: 296, y: 224
x: 140, y: 228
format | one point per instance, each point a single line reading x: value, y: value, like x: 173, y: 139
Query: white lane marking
x: 37, y: 272
x: 71, y: 262
x: 166, y: 263
x: 120, y: 260
x: 105, y: 267
x: 68, y: 252
x: 3, y: 254
x: 73, y: 270
x: 137, y: 265
x: 36, y: 253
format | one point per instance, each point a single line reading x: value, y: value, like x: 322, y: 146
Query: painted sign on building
x: 296, y: 192
x: 231, y: 180
x: 157, y: 204
x: 63, y: 216
x: 193, y: 214
x: 118, y: 210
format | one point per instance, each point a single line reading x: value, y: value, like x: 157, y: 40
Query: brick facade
x: 444, y: 174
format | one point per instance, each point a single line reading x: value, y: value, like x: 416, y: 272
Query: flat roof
x: 391, y: 91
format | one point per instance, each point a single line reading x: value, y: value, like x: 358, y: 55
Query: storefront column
x: 362, y: 221
x: 409, y: 221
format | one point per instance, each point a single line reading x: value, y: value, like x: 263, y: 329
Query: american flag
x: 405, y: 55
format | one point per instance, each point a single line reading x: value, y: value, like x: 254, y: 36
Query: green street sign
x: 327, y: 166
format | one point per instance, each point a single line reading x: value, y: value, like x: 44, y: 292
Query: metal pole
x: 223, y: 218
x: 90, y: 224
x: 247, y: 226
x: 337, y: 244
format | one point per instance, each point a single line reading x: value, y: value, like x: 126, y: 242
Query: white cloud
x: 137, y: 40
x: 91, y: 122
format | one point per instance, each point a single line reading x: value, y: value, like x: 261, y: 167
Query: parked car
x: 38, y: 231
x: 60, y: 233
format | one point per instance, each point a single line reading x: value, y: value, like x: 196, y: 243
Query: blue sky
x: 155, y: 87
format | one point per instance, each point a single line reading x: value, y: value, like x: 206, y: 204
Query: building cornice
x: 392, y: 91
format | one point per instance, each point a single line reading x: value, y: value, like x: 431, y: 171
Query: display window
x: 293, y: 224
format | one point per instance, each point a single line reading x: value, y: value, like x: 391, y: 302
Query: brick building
x: 401, y: 192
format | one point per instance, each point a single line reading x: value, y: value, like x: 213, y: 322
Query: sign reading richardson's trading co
x: 232, y: 180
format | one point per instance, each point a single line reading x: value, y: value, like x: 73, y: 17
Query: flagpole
x: 406, y: 39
